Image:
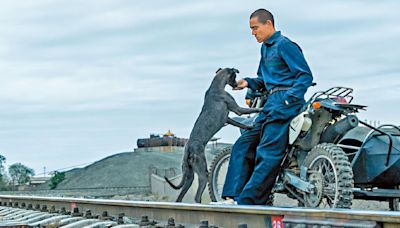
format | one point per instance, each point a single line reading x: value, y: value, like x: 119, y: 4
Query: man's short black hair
x: 263, y: 16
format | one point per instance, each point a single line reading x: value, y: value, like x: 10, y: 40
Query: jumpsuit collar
x: 270, y: 41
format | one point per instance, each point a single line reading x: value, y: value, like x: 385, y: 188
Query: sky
x: 82, y: 80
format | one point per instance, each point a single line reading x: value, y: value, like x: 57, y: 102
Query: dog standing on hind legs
x: 213, y: 116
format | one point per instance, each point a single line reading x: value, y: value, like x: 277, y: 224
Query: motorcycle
x: 332, y: 157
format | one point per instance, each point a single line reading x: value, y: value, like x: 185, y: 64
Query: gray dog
x: 213, y: 116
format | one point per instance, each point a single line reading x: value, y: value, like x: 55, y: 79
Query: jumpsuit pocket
x: 291, y: 99
x: 276, y: 109
x: 285, y: 112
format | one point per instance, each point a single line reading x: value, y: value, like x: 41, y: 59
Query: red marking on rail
x: 277, y: 222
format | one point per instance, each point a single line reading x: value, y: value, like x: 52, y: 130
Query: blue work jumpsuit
x: 257, y: 154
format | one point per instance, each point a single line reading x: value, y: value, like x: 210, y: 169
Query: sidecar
x: 374, y: 153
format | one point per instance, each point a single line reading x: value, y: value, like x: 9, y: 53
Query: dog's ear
x: 235, y: 70
x: 219, y: 69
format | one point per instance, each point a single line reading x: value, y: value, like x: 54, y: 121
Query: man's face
x: 261, y: 31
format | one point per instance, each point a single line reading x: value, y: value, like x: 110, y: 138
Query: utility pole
x: 44, y: 171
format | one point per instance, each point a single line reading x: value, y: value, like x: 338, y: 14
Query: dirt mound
x: 127, y: 169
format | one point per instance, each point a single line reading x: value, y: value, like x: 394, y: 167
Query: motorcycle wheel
x: 394, y: 203
x: 330, y: 171
x: 217, y: 174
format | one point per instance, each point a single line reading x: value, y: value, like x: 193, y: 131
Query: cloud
x: 81, y: 80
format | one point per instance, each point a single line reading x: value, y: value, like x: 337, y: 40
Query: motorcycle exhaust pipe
x: 336, y: 131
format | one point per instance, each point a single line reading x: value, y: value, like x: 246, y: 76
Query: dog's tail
x: 185, y: 171
x: 184, y: 174
x: 179, y: 186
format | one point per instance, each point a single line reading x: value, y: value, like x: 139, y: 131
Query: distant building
x: 38, y: 180
x: 168, y: 139
x: 31, y: 185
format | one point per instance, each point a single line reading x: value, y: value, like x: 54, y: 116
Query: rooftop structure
x: 168, y: 139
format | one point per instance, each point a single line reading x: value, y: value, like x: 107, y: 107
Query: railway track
x: 29, y: 211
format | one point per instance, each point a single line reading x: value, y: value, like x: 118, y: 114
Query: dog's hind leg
x: 187, y: 179
x: 202, y: 173
x: 203, y: 180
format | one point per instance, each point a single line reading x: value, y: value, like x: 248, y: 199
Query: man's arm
x: 294, y: 58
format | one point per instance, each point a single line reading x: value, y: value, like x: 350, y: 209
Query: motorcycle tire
x: 330, y: 171
x: 215, y: 174
x: 216, y: 177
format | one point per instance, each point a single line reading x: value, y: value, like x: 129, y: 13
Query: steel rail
x: 219, y: 215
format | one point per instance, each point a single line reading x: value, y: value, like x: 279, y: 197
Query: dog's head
x: 229, y: 75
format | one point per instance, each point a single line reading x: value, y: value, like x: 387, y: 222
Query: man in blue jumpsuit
x: 257, y: 154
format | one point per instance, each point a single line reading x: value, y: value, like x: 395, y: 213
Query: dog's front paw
x: 258, y: 109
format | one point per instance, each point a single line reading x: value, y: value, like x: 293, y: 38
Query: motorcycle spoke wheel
x: 334, y: 182
x: 325, y: 203
x: 217, y: 174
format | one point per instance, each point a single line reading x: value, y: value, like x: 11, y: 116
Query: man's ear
x: 269, y: 22
x: 219, y: 69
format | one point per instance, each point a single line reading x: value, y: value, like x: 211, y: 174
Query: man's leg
x: 241, y: 163
x: 269, y: 155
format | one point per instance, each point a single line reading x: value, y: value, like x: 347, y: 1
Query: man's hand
x: 241, y: 84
